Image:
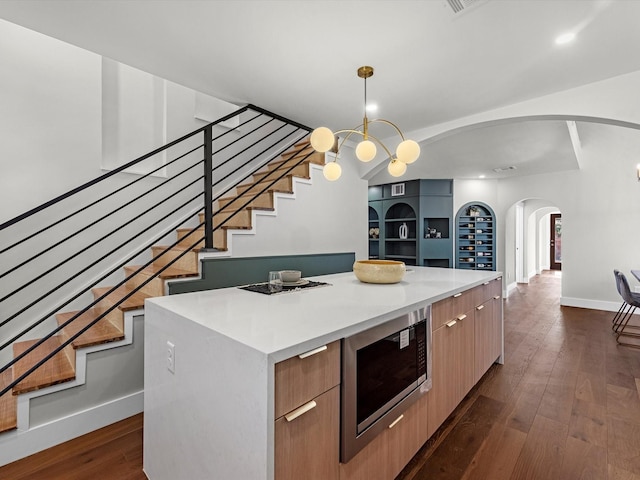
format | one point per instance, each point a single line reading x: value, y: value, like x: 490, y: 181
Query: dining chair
x: 620, y: 314
x: 633, y: 301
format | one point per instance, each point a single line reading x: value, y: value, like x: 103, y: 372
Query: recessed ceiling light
x: 372, y: 107
x: 482, y: 176
x: 565, y: 38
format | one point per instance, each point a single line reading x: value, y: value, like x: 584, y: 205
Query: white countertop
x: 290, y: 323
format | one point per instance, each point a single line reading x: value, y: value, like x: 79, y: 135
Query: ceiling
x: 299, y: 59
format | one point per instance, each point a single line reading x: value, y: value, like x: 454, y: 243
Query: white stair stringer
x: 277, y: 196
x: 81, y: 370
x: 26, y: 440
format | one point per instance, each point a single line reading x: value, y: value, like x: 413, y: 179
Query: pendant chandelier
x: 324, y: 140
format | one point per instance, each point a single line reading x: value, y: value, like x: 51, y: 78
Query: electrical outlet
x: 171, y: 357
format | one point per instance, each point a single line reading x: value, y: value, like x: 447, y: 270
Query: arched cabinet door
x: 475, y: 237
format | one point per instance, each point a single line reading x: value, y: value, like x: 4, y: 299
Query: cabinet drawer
x: 451, y: 307
x: 496, y: 287
x: 482, y: 293
x: 308, y: 445
x: 299, y: 380
x: 487, y: 291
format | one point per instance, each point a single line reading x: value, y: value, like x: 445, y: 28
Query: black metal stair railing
x: 36, y: 284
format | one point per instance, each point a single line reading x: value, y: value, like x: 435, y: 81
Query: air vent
x: 504, y: 169
x: 459, y: 6
x: 397, y: 189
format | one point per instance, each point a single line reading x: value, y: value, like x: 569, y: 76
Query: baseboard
x: 16, y: 445
x: 510, y: 287
x: 592, y: 304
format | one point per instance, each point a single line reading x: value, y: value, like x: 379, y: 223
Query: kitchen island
x: 211, y: 360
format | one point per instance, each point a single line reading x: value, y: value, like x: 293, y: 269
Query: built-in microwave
x: 384, y: 370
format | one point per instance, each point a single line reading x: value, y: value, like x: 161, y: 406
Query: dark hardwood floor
x: 565, y: 405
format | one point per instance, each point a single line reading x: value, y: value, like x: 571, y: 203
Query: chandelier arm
x: 351, y: 132
x: 382, y: 120
x: 383, y: 146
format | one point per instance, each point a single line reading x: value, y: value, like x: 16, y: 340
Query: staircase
x: 233, y: 212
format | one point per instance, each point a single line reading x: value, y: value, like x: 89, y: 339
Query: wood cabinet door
x: 423, y: 419
x: 465, y: 352
x: 453, y: 368
x: 387, y: 454
x: 403, y: 439
x: 443, y: 394
x: 487, y: 337
x: 308, y: 446
x: 370, y: 463
x: 498, y: 326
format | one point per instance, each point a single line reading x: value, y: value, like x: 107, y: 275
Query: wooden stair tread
x: 8, y: 404
x: 293, y: 158
x: 134, y: 302
x: 288, y: 176
x: 178, y: 248
x: 276, y: 173
x: 236, y: 227
x: 246, y: 196
x: 102, y: 332
x: 58, y: 369
x: 188, y: 234
x: 169, y: 272
x: 230, y: 210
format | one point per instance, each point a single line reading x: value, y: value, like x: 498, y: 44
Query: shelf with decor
x: 374, y: 232
x: 475, y: 237
x: 425, y: 208
x: 400, y: 241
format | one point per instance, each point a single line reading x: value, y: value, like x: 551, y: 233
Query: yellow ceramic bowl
x: 379, y: 271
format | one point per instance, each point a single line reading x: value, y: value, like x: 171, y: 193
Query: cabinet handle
x: 312, y: 352
x: 451, y: 323
x: 479, y: 307
x: 499, y: 278
x: 457, y: 295
x: 486, y: 283
x: 291, y: 416
x: 462, y: 317
x: 496, y: 297
x: 393, y: 424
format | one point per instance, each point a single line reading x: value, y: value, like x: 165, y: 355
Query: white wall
x: 470, y: 190
x: 600, y: 205
x: 324, y: 217
x: 50, y: 130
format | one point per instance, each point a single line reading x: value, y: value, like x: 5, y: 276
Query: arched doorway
x: 527, y: 240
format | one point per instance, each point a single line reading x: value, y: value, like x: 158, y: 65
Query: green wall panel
x: 231, y: 272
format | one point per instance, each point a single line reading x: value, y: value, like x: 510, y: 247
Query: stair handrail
x: 125, y: 298
x: 140, y: 159
x: 207, y: 129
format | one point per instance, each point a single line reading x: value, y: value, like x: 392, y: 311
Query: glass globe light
x: 332, y: 171
x: 366, y: 151
x: 408, y: 151
x: 397, y: 168
x: 322, y: 139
